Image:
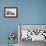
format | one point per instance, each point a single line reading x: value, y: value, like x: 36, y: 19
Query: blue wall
x: 29, y: 12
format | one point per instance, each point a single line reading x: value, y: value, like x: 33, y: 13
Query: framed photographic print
x: 11, y: 12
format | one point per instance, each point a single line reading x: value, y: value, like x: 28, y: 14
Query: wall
x: 29, y: 12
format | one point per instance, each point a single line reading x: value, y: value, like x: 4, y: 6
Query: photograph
x: 11, y: 12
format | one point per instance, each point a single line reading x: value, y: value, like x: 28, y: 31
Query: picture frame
x: 10, y: 12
